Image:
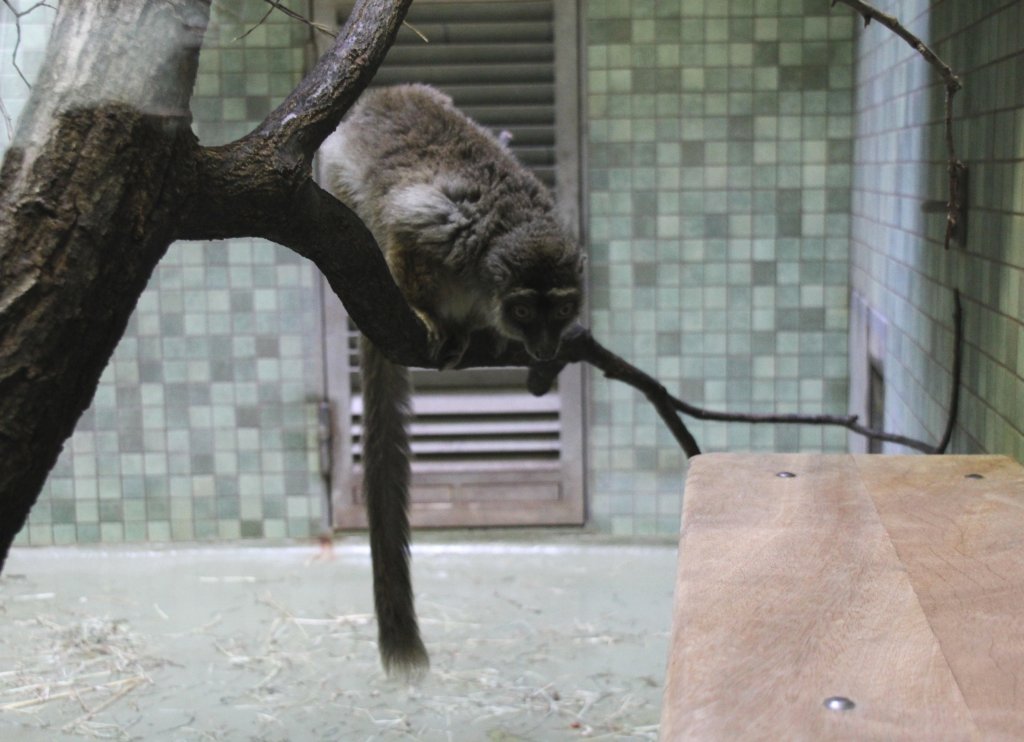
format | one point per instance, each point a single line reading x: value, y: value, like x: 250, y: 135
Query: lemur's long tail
x: 386, y: 491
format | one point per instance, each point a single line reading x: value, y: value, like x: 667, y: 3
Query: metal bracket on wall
x: 957, y: 216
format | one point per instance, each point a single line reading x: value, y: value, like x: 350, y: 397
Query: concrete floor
x: 558, y: 640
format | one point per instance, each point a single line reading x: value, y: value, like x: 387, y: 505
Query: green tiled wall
x: 898, y: 261
x: 204, y: 424
x: 719, y: 155
x: 34, y: 31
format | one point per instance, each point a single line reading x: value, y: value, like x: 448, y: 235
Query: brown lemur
x: 473, y: 241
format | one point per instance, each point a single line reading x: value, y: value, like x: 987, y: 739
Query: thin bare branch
x: 957, y: 372
x: 418, y: 32
x: 8, y: 121
x: 850, y: 422
x: 260, y: 22
x: 274, y: 4
x: 870, y: 13
x: 580, y: 346
x: 955, y: 206
x: 29, y: 9
x: 18, y: 15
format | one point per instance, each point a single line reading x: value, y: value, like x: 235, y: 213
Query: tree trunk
x: 104, y: 174
x: 88, y: 197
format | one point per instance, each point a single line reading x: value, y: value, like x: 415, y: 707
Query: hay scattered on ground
x: 254, y: 657
x: 87, y: 664
x: 297, y: 656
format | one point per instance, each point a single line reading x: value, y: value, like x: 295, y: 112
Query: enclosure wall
x: 899, y: 265
x: 719, y: 150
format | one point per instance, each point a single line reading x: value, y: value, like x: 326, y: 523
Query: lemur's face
x: 538, y: 318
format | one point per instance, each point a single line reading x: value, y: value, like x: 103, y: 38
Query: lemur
x: 472, y: 239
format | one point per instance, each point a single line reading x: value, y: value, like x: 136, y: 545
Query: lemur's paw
x: 452, y: 350
x: 436, y: 338
x: 446, y: 348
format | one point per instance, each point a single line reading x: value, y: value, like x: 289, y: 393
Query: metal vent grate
x: 477, y: 417
x: 496, y: 61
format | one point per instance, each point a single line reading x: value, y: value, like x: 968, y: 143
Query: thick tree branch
x: 319, y: 227
x: 88, y: 199
x: 257, y: 185
x: 243, y: 194
x: 275, y: 159
x: 261, y: 186
x: 314, y: 109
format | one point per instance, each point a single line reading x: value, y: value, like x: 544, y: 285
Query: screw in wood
x: 839, y: 703
x: 785, y: 475
x: 973, y: 476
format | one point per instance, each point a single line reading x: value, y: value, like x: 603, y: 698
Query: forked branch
x: 580, y: 346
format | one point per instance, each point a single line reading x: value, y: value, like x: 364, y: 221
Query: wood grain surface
x: 894, y: 581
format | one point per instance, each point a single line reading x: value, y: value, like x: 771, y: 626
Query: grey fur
x: 473, y: 241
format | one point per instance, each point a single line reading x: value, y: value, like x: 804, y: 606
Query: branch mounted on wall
x: 956, y: 205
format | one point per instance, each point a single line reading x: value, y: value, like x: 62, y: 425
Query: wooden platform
x: 896, y: 582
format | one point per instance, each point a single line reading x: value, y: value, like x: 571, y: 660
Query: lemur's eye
x: 521, y: 312
x: 565, y: 310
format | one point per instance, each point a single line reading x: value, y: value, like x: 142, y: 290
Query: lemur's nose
x: 546, y: 349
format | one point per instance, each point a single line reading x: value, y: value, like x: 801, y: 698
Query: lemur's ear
x: 425, y: 212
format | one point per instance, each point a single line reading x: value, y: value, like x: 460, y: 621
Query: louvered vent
x: 478, y: 419
x: 497, y: 62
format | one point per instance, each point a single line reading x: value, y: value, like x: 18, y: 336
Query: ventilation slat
x: 476, y: 32
x: 454, y: 403
x: 468, y: 94
x: 535, y: 157
x: 477, y: 446
x: 488, y: 471
x: 471, y: 54
x: 481, y: 447
x: 445, y: 74
x: 460, y: 13
x: 503, y: 428
x: 512, y: 116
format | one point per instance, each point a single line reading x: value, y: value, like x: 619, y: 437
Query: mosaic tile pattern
x: 204, y: 424
x: 719, y: 178
x: 898, y: 261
